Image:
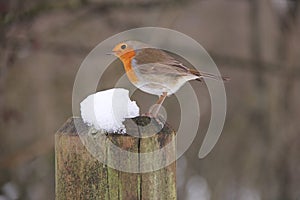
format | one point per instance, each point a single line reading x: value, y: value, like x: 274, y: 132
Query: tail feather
x: 208, y: 75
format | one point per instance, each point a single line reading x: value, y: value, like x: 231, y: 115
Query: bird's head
x: 128, y: 47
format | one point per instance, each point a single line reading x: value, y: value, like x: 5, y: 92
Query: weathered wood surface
x: 81, y: 176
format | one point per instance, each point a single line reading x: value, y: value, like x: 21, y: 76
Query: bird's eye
x: 123, y: 46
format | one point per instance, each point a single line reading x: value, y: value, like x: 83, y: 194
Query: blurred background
x: 255, y: 42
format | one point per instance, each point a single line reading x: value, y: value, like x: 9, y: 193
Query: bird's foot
x: 148, y: 114
x: 158, y: 118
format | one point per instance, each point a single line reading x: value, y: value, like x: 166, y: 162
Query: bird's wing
x: 151, y: 55
x: 161, y: 70
x: 151, y: 60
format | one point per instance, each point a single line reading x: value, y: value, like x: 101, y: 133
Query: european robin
x: 154, y: 71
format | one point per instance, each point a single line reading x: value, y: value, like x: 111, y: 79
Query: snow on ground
x: 106, y: 110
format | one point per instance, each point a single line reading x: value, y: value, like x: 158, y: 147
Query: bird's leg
x: 155, y: 109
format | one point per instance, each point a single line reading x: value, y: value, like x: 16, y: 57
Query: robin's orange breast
x: 126, y: 60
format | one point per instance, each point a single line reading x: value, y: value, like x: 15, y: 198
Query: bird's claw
x: 158, y: 118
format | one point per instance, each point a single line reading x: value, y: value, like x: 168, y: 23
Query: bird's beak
x: 111, y: 53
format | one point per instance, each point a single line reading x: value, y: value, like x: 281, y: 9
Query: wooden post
x: 81, y: 176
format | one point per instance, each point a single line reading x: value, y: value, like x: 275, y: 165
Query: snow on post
x: 107, y: 110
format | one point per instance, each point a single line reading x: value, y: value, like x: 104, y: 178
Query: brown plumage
x: 151, y: 55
